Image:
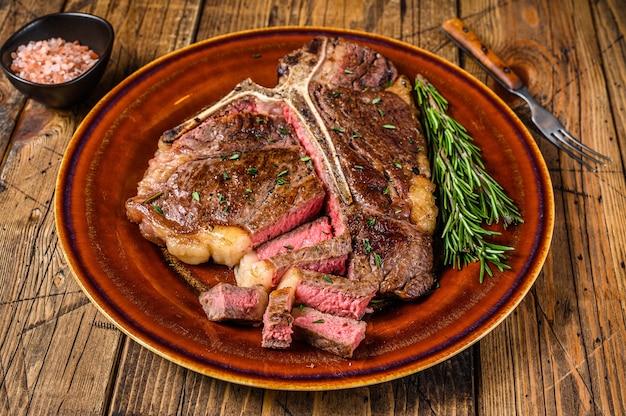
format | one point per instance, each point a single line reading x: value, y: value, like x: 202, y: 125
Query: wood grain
x: 559, y: 353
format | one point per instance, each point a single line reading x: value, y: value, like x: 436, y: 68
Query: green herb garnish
x: 468, y: 196
x: 378, y: 260
x: 153, y: 197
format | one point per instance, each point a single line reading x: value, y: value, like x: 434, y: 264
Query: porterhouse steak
x: 327, y: 172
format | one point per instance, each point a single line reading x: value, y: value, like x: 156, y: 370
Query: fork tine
x: 582, y: 145
x: 564, y: 138
x: 559, y: 143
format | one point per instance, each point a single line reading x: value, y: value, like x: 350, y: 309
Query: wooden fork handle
x: 471, y: 44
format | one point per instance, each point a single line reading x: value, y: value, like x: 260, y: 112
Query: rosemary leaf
x: 468, y: 196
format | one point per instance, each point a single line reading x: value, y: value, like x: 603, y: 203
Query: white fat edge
x: 291, y: 279
x: 423, y: 204
x: 251, y: 271
x: 224, y: 244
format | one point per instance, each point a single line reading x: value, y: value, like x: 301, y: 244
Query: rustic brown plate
x: 132, y: 283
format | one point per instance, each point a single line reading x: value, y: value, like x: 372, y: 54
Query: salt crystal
x: 52, y: 61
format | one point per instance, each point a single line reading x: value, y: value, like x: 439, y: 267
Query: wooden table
x: 560, y: 352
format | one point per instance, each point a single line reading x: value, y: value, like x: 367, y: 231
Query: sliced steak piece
x: 277, y: 320
x: 328, y: 256
x: 335, y: 334
x: 226, y: 302
x: 336, y: 295
x: 306, y: 235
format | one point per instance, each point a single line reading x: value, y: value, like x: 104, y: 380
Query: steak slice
x: 335, y: 334
x: 306, y: 235
x: 336, y: 295
x: 226, y: 302
x: 277, y: 320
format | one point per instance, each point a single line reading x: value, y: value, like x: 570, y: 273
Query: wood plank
x: 603, y: 320
x: 601, y: 260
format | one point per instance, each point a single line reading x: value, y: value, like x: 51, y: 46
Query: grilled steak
x: 326, y: 173
x: 204, y: 193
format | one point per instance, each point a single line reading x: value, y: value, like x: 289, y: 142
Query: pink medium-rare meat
x: 335, y: 334
x: 365, y: 141
x: 226, y: 302
x: 277, y: 320
x: 306, y: 235
x: 336, y: 295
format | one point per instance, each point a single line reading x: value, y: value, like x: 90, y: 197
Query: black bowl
x: 89, y: 30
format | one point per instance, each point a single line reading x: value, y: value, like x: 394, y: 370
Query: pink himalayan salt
x: 52, y: 61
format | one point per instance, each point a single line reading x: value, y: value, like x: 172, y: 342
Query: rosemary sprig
x: 468, y: 196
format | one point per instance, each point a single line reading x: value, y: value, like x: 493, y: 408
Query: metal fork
x: 547, y: 124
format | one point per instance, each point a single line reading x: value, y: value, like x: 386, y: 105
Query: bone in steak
x: 327, y: 171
